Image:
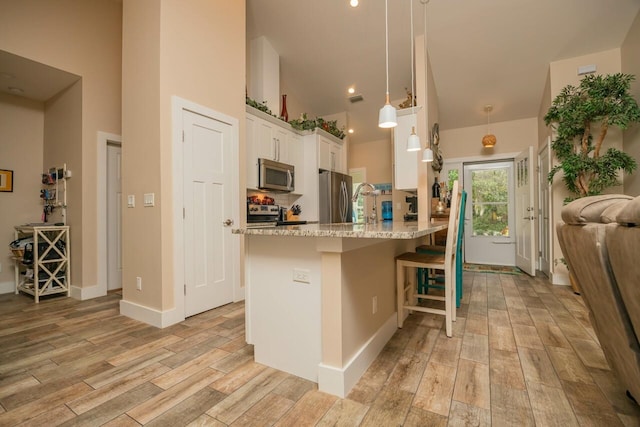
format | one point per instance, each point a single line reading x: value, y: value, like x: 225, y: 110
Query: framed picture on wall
x: 6, y: 180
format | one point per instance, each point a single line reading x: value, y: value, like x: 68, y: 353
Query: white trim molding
x: 340, y: 381
x: 88, y: 292
x: 178, y: 105
x: 151, y: 316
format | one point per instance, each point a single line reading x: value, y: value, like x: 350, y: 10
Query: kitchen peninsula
x: 320, y: 298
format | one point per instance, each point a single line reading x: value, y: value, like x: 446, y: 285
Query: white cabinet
x: 272, y: 142
x: 251, y: 153
x: 277, y: 142
x: 406, y: 162
x: 331, y: 155
x: 295, y: 151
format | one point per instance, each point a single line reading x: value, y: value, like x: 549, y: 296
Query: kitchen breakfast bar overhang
x: 320, y: 298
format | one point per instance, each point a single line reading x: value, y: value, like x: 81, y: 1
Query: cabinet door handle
x: 275, y: 149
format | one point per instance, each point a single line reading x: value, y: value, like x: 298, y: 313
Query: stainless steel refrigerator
x: 335, y: 197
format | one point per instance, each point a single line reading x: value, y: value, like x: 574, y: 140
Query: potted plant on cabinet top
x: 579, y: 113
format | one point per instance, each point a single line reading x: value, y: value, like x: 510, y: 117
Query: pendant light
x: 489, y: 140
x: 427, y: 154
x: 387, y: 116
x: 413, y: 142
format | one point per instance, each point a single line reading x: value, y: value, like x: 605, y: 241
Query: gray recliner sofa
x: 600, y: 241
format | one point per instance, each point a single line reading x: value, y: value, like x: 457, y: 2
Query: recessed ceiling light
x: 350, y: 130
x: 351, y: 90
x: 15, y: 89
x: 354, y: 3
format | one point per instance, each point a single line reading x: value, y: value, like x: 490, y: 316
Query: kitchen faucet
x: 373, y: 219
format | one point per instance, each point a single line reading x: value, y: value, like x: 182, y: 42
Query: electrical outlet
x: 374, y: 305
x: 139, y: 283
x: 301, y: 275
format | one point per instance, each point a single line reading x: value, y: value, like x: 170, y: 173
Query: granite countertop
x: 382, y: 230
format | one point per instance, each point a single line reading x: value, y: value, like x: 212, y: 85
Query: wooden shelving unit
x: 49, y: 270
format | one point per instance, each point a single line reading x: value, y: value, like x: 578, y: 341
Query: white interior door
x: 207, y: 213
x: 489, y: 215
x: 544, y: 206
x: 525, y: 214
x: 114, y: 216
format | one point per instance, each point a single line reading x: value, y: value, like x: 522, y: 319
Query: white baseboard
x: 151, y: 316
x: 340, y: 381
x: 87, y: 292
x: 7, y: 287
x: 560, y: 279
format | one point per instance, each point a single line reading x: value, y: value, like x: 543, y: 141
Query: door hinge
x: 185, y: 289
x: 182, y: 136
x: 184, y: 214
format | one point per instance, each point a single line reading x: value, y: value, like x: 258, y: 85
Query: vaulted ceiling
x: 482, y: 52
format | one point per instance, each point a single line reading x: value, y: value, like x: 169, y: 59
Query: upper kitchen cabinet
x: 406, y: 162
x: 331, y: 153
x: 295, y: 151
x: 271, y: 142
x: 272, y: 139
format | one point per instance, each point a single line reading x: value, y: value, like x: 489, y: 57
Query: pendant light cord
x: 413, y: 89
x: 426, y: 62
x: 386, y: 32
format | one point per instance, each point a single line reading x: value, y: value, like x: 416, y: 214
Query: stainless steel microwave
x: 275, y: 176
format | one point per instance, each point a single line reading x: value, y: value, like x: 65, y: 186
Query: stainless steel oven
x: 275, y: 176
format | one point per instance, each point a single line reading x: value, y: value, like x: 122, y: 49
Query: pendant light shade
x: 387, y: 116
x: 489, y: 140
x: 413, y: 142
x: 427, y: 155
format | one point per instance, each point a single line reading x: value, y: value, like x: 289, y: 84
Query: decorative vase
x: 284, y: 114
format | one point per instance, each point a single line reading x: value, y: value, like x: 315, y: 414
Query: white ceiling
x: 481, y: 52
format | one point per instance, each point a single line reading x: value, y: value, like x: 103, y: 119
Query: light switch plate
x: 131, y: 201
x: 149, y: 199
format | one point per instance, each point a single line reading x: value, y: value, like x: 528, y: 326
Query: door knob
x: 228, y: 222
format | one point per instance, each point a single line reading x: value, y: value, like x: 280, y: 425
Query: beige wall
x: 21, y: 132
x: 83, y: 38
x: 141, y: 136
x: 375, y: 156
x: 63, y: 144
x: 631, y: 65
x: 192, y: 49
x: 513, y: 137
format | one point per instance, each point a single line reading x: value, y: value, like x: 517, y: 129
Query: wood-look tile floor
x: 523, y: 354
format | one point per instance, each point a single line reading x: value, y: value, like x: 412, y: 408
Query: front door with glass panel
x: 489, y: 236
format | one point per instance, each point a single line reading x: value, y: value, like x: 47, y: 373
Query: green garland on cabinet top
x: 304, y: 123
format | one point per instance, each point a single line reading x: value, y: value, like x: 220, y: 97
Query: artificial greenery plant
x: 578, y: 112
